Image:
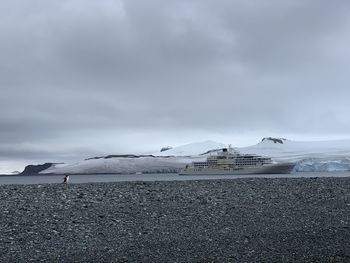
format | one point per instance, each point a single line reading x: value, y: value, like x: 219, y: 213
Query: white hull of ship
x: 281, y: 168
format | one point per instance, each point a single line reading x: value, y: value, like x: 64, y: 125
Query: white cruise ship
x: 230, y: 162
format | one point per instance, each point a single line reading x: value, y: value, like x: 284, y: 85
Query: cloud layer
x: 80, y: 77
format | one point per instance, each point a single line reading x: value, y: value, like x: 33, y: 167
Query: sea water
x: 94, y: 178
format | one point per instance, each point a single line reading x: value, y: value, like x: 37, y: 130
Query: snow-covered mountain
x: 309, y: 156
x: 120, y: 165
x: 280, y: 149
x: 170, y: 160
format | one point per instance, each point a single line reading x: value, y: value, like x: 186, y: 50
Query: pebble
x: 243, y: 220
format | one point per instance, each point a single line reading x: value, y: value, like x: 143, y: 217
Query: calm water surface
x: 45, y: 179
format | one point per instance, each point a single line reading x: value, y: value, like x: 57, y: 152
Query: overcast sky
x: 79, y: 78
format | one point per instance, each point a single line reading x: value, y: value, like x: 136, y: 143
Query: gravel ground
x: 243, y: 220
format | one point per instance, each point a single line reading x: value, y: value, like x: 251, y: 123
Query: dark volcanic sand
x: 244, y: 220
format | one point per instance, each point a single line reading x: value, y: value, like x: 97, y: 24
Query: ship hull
x: 281, y: 168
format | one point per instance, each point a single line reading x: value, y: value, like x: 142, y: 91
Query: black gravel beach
x: 243, y: 220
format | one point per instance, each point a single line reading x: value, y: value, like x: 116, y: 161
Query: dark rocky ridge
x: 212, y: 151
x: 126, y: 156
x: 274, y: 140
x: 35, y: 169
x: 165, y: 148
x: 119, y: 156
x: 244, y: 220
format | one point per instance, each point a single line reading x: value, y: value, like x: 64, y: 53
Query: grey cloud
x: 73, y: 68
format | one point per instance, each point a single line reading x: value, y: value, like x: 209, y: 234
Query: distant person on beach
x: 66, y: 179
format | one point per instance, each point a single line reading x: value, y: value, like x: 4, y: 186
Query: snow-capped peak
x: 191, y: 149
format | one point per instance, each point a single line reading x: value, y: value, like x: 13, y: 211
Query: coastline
x: 241, y: 220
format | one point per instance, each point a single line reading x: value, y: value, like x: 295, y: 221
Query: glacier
x: 314, y: 156
x: 315, y: 165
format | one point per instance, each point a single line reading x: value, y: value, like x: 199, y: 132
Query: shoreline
x: 110, y: 178
x: 241, y: 220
